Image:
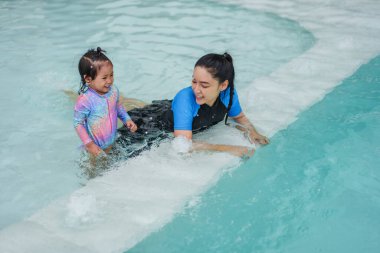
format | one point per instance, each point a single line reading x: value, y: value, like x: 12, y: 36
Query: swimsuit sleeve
x: 121, y: 112
x: 81, y: 113
x: 184, y: 107
x: 235, y: 108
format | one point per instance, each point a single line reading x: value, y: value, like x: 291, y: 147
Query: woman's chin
x: 199, y: 101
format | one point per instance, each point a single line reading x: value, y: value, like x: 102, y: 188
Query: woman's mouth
x: 198, y: 98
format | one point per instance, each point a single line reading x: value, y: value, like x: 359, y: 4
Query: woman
x: 211, y: 98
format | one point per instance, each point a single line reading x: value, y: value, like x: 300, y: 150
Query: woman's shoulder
x: 185, y: 100
x: 186, y: 92
x: 235, y: 106
x: 184, y: 96
x: 225, y: 95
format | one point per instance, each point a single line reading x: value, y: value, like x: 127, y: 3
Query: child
x: 98, y: 105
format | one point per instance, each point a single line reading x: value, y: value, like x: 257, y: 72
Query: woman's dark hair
x: 89, y: 64
x: 221, y: 67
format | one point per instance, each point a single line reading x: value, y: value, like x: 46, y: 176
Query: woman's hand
x: 255, y: 137
x: 94, y: 149
x: 131, y: 125
x: 249, y: 130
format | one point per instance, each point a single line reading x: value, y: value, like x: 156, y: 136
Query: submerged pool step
x: 117, y: 210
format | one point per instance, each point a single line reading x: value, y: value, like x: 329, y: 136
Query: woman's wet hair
x: 89, y: 65
x: 221, y: 68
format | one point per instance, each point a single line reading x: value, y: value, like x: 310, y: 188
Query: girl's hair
x: 221, y: 67
x: 89, y: 64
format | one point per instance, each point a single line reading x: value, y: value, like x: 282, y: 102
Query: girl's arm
x: 81, y: 113
x: 121, y: 112
x: 125, y: 118
x: 247, y: 126
x: 239, y: 151
x: 123, y: 115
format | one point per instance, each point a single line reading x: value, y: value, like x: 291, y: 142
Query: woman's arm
x: 247, y: 126
x: 239, y: 151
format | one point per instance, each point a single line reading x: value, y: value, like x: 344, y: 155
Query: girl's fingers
x: 132, y: 127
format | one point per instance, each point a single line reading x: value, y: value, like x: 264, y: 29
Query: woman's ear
x: 223, y: 85
x: 87, y: 78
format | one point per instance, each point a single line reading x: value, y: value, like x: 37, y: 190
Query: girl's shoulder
x: 114, y: 88
x: 88, y: 97
x: 113, y: 92
x: 83, y: 98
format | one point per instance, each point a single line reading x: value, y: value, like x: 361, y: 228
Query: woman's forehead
x: 202, y: 74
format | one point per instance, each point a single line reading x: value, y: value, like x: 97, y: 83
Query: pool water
x: 316, y: 188
x: 153, y: 45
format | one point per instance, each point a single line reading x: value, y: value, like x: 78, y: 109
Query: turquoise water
x: 316, y: 188
x: 153, y: 45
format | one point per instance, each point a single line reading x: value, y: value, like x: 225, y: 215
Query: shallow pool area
x: 307, y: 76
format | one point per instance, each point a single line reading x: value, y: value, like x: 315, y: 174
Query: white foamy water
x: 114, y: 212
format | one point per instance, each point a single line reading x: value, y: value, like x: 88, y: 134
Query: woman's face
x: 206, y: 89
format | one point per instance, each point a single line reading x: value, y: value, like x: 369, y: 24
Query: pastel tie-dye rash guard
x: 95, y: 117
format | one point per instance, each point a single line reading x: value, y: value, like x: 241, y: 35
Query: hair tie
x: 98, y: 50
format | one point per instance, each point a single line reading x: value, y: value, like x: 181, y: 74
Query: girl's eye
x: 193, y: 81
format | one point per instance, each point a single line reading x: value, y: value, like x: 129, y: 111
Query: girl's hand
x: 255, y: 137
x: 93, y: 149
x: 131, y: 125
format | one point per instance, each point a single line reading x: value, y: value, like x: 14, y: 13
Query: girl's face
x: 104, y: 79
x: 206, y: 88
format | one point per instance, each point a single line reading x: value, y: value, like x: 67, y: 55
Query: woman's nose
x: 196, y: 88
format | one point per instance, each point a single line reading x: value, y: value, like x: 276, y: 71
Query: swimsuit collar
x: 102, y: 96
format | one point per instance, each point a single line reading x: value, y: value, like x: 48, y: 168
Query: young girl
x: 98, y: 105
